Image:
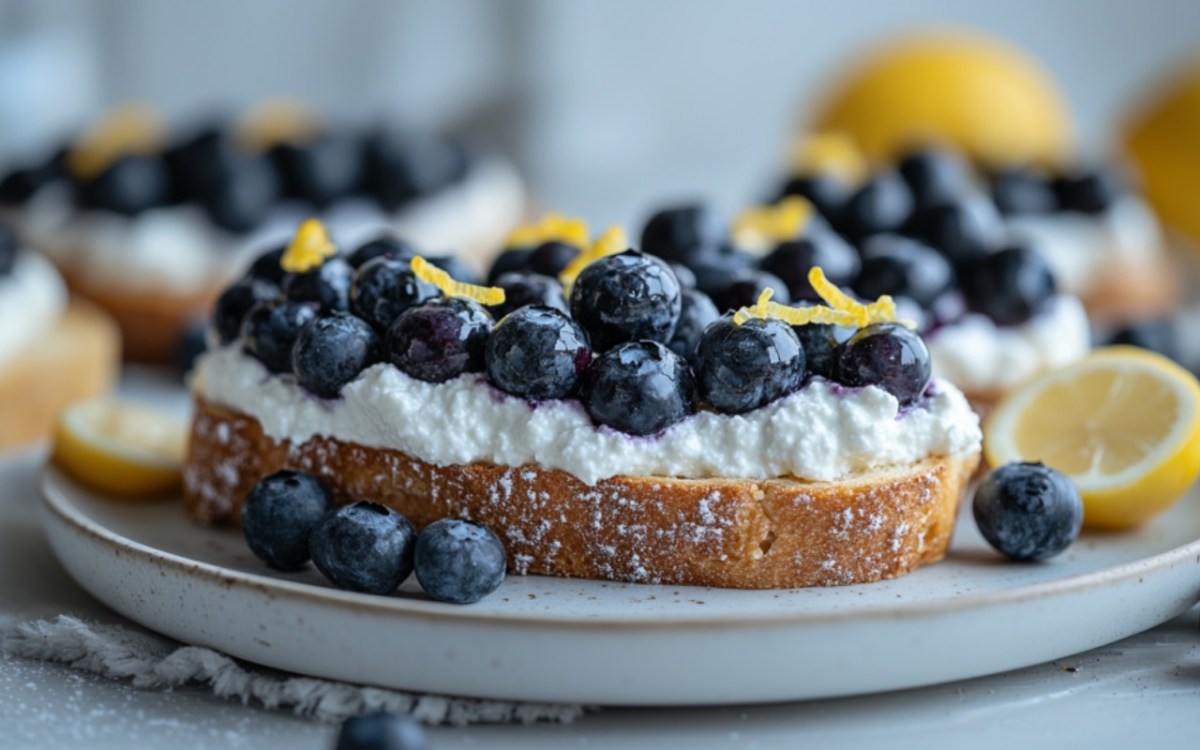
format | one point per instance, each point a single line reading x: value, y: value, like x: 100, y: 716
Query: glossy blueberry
x: 364, y: 547
x: 8, y: 249
x: 881, y: 205
x: 1159, y: 335
x: 385, y: 287
x: 1009, y: 286
x: 742, y: 367
x: 268, y: 266
x: 128, y: 186
x: 328, y: 285
x: 526, y: 288
x: 1088, y: 191
x: 713, y: 271
x: 886, y: 355
x: 934, y: 176
x: 820, y: 343
x: 626, y: 297
x: 270, y: 329
x: 191, y: 344
x: 1028, y: 511
x: 537, y: 353
x: 459, y: 561
x: 383, y: 246
x: 639, y: 388
x: 458, y: 269
x: 901, y: 267
x: 440, y: 339
x: 1023, y: 190
x: 320, y: 171
x: 235, y: 302
x: 331, y: 351
x: 695, y: 314
x: 960, y: 229
x: 401, y: 166
x: 826, y: 192
x: 512, y: 259
x: 240, y: 198
x: 550, y: 258
x: 681, y: 234
x: 279, y: 515
x: 791, y: 261
x: 381, y: 732
x: 744, y: 286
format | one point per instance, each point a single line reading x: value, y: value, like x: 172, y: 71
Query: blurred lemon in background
x: 963, y: 88
x: 121, y: 448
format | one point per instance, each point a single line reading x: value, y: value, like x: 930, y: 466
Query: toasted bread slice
x: 76, y: 359
x: 706, y: 532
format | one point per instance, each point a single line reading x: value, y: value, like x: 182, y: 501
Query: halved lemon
x: 1123, y: 424
x: 120, y: 448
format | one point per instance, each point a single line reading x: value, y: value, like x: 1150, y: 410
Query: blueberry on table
x: 886, y: 355
x: 328, y: 285
x: 639, y: 388
x: 537, y: 352
x: 270, y: 330
x: 385, y: 287
x: 744, y: 286
x: 383, y: 246
x: 439, y: 340
x: 230, y: 309
x: 681, y: 234
x: 901, y: 267
x: 364, y: 547
x: 934, y: 175
x: 279, y: 515
x: 626, y: 297
x: 268, y: 266
x: 459, y: 561
x: 1028, y: 511
x: 551, y: 258
x: 1088, y: 191
x: 381, y: 732
x: 1009, y: 286
x: 881, y: 205
x: 331, y: 351
x: 128, y: 186
x: 742, y: 367
x: 1022, y: 191
x: 695, y: 314
x: 791, y: 261
x: 523, y: 288
x: 960, y: 229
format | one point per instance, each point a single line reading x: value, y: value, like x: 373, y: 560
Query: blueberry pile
x: 236, y: 188
x: 290, y: 517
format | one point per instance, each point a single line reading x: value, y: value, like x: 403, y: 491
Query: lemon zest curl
x: 484, y: 295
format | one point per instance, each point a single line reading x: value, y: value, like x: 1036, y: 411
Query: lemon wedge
x: 1123, y: 424
x: 120, y: 448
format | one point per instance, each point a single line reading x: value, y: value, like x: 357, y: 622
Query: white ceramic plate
x: 549, y: 639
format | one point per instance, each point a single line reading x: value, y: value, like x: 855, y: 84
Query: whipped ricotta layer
x: 32, y: 298
x: 822, y: 432
x: 981, y: 357
x: 1079, y: 247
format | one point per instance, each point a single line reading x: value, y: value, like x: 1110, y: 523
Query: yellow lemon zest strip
x: 610, y: 242
x: 840, y: 309
x: 309, y: 248
x: 130, y: 129
x: 781, y: 222
x: 829, y: 152
x: 552, y: 227
x: 484, y: 295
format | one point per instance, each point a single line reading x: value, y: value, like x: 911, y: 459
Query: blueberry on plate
x: 1088, y: 191
x: 128, y: 186
x: 365, y: 547
x: 819, y: 342
x: 459, y: 561
x: 268, y: 266
x: 320, y: 171
x: 681, y: 234
x: 239, y: 199
x: 383, y: 246
x: 626, y: 297
x: 328, y: 285
x: 1010, y: 286
x: 694, y: 316
x: 902, y: 267
x: 826, y: 192
x: 639, y: 388
x: 743, y: 288
x: 886, y: 355
x: 331, y: 351
x: 934, y: 175
x: 381, y: 732
x: 1159, y: 335
x: 537, y: 352
x: 440, y: 339
x: 550, y: 258
x: 385, y: 287
x: 279, y: 515
x: 522, y: 289
x: 742, y: 367
x: 458, y: 269
x: 883, y: 204
x: 1028, y: 511
x: 1023, y: 190
x: 791, y: 261
x: 960, y: 229
x: 512, y: 259
x: 270, y: 329
x: 230, y: 309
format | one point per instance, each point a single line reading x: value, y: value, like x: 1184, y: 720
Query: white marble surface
x: 1143, y: 689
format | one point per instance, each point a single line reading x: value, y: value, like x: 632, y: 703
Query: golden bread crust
x: 704, y: 532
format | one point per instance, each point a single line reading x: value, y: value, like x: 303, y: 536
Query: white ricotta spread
x: 1080, y: 246
x: 821, y: 432
x: 981, y: 357
x: 32, y: 298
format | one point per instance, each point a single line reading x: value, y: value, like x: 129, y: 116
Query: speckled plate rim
x: 56, y: 501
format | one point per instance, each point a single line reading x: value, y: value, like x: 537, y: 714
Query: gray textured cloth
x: 150, y: 662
